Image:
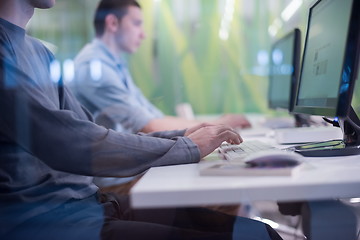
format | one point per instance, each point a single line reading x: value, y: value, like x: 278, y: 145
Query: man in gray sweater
x: 50, y: 148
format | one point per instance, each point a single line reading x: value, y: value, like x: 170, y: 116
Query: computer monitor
x: 283, y: 75
x: 328, y: 73
x: 284, y: 71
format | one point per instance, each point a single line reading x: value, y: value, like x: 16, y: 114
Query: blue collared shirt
x: 104, y: 85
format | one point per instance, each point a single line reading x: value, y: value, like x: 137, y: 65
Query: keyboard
x: 230, y: 160
x: 237, y: 153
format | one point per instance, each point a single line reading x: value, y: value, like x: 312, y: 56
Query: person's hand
x: 209, y: 137
x: 196, y: 127
x: 234, y: 121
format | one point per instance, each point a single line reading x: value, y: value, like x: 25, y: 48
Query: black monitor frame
x: 295, y: 62
x: 348, y: 120
x: 351, y: 62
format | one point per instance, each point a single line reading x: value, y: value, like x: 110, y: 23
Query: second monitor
x: 284, y: 70
x: 283, y: 75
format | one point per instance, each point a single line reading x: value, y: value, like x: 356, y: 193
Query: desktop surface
x: 182, y: 185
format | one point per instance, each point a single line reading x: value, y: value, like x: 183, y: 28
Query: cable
x: 297, y: 228
x: 354, y: 124
x: 334, y: 122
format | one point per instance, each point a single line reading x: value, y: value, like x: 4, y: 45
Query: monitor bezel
x: 351, y: 60
x: 296, y: 33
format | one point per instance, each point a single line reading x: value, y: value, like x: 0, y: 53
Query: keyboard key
x: 239, y: 152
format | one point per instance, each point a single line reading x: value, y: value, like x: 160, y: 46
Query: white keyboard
x: 239, y: 152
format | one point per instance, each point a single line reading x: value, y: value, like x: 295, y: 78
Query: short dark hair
x: 117, y: 7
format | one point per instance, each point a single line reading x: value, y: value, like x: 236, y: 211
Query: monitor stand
x: 302, y: 120
x: 349, y: 145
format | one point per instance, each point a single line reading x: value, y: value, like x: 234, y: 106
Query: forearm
x: 168, y: 123
x: 166, y: 134
x: 138, y: 153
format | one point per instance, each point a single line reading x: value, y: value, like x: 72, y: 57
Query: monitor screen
x: 328, y: 67
x: 284, y: 70
x: 329, y: 71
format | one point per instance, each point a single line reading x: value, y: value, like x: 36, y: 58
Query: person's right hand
x: 234, y: 121
x: 209, y: 137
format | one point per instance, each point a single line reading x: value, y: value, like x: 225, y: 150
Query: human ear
x: 111, y: 23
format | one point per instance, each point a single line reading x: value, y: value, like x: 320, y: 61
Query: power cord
x: 297, y: 228
x: 334, y: 122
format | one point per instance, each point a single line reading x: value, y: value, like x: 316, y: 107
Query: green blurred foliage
x: 183, y: 58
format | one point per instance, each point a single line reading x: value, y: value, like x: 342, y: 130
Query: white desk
x: 325, y: 179
x: 183, y: 186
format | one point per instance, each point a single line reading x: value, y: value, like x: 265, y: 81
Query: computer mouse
x: 273, y: 158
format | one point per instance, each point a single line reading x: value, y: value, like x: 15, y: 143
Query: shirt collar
x: 120, y: 60
x: 16, y: 30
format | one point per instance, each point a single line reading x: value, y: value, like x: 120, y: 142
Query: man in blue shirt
x: 104, y: 85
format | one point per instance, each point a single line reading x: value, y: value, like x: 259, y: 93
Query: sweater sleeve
x: 166, y: 134
x: 66, y: 141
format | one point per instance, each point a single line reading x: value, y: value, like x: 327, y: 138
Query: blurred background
x: 213, y: 54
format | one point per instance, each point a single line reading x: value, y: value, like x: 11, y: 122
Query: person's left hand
x: 196, y: 127
x: 234, y: 121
